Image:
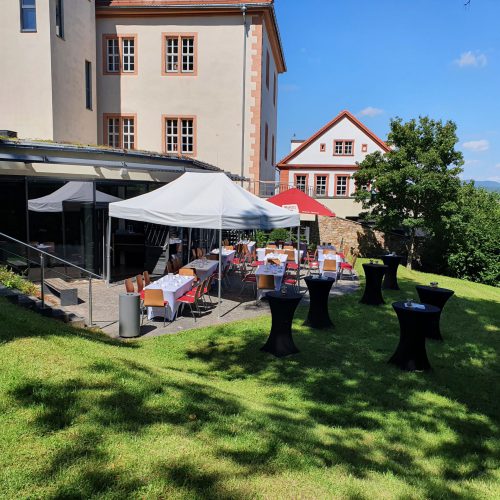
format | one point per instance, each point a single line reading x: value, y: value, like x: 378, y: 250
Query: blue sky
x: 385, y: 58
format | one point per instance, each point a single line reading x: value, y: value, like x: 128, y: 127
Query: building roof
x: 328, y: 126
x: 28, y: 151
x: 162, y: 7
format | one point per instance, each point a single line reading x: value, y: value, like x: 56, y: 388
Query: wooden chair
x: 248, y: 279
x: 268, y: 251
x: 330, y: 268
x: 200, y: 253
x: 312, y: 262
x: 154, y: 298
x: 140, y: 283
x: 288, y: 247
x: 129, y: 286
x: 277, y: 262
x: 228, y: 247
x: 192, y: 299
x: 329, y: 252
x: 290, y: 260
x: 170, y: 267
x: 147, y: 278
x: 187, y: 271
x: 271, y: 246
x: 264, y: 282
x: 194, y: 253
x: 279, y: 252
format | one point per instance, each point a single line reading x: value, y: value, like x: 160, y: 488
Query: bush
x: 279, y: 235
x: 12, y: 280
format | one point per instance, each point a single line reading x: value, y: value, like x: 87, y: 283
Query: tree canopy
x: 415, y: 185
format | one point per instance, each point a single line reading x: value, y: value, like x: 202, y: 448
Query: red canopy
x: 305, y: 204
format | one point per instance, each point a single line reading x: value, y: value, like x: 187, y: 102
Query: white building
x: 323, y: 165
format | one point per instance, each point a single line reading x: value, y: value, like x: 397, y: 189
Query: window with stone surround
x: 179, y: 54
x: 119, y: 131
x: 120, y: 54
x: 180, y: 135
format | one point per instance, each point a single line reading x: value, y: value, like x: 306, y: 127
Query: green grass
x: 205, y: 414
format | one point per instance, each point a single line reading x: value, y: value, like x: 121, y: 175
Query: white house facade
x: 324, y: 164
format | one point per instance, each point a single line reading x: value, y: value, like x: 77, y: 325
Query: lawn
x: 205, y: 414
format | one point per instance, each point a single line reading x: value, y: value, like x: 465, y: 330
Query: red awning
x: 305, y: 204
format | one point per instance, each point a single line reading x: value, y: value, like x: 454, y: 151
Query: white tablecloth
x: 173, y: 288
x: 322, y: 258
x: 277, y: 271
x: 227, y: 256
x: 261, y: 255
x: 204, y: 268
x: 320, y: 250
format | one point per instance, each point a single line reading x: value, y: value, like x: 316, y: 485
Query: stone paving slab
x: 233, y: 308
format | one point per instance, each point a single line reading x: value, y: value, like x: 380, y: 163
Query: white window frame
x: 128, y: 54
x: 321, y: 190
x: 113, y: 55
x: 299, y: 185
x: 121, y: 129
x: 341, y: 182
x: 180, y: 54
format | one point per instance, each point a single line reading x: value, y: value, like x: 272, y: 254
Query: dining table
x: 438, y: 297
x: 174, y: 286
x: 374, y: 273
x: 204, y: 268
x: 250, y: 245
x: 319, y: 293
x: 227, y: 256
x: 414, y: 321
x: 271, y: 270
x: 261, y: 254
x: 392, y: 262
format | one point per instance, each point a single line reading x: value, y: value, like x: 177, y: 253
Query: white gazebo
x: 202, y: 200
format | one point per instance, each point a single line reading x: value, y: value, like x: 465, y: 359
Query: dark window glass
x: 59, y: 19
x: 28, y: 15
x: 88, y: 84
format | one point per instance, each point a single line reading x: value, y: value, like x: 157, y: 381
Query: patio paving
x: 105, y: 309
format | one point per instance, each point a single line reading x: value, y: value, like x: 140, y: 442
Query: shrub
x: 279, y: 235
x: 12, y: 280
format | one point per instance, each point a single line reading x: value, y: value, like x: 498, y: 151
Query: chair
x: 269, y: 250
x: 279, y: 252
x: 329, y: 252
x: 192, y: 299
x: 312, y: 262
x: 277, y: 262
x: 249, y: 279
x: 345, y: 266
x: 170, y: 267
x: 140, y: 284
x: 154, y: 298
x: 194, y: 253
x: 200, y: 253
x: 290, y: 260
x: 213, y: 257
x: 330, y: 268
x: 271, y: 246
x: 187, y: 271
x: 228, y: 247
x: 290, y: 281
x: 147, y: 278
x: 288, y: 247
x: 265, y: 282
x: 129, y: 286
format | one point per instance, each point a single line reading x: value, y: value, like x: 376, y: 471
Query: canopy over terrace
x: 298, y: 201
x: 210, y: 201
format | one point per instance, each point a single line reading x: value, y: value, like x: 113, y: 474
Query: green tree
x: 415, y: 185
x: 473, y: 236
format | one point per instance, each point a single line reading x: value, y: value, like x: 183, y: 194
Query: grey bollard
x: 129, y: 321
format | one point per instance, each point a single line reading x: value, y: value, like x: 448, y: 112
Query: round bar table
x: 391, y: 275
x: 280, y: 342
x: 373, y: 287
x: 435, y: 297
x: 319, y: 292
x: 410, y: 354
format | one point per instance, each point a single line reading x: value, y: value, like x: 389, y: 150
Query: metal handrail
x: 42, y: 253
x: 52, y: 256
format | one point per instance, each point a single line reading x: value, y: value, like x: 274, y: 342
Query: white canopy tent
x: 74, y: 192
x: 199, y: 200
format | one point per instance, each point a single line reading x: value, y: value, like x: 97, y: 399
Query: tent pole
x: 189, y: 246
x: 108, y: 256
x: 220, y: 270
x: 64, y: 240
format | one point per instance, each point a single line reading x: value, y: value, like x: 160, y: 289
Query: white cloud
x: 495, y: 178
x: 469, y: 163
x: 481, y: 145
x: 371, y: 112
x: 497, y: 165
x: 471, y: 59
x: 289, y: 87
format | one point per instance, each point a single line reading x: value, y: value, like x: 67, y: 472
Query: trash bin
x: 129, y: 319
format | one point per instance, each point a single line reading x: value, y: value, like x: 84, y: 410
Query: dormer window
x: 344, y: 147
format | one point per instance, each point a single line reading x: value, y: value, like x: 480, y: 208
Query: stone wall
x: 362, y: 238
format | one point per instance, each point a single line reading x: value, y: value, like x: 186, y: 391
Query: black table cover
x: 280, y: 341
x: 373, y: 287
x: 319, y: 292
x: 391, y: 275
x: 410, y: 354
x: 438, y: 297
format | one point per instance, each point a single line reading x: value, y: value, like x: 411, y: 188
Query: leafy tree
x: 415, y: 185
x: 473, y: 236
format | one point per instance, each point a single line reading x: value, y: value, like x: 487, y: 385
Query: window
x: 28, y: 15
x: 179, y: 131
x: 119, y: 131
x: 322, y: 148
x: 341, y: 185
x: 59, y: 19
x: 179, y: 54
x: 321, y: 185
x: 345, y: 148
x: 364, y: 148
x: 266, y: 142
x: 301, y: 182
x: 268, y: 64
x: 275, y: 89
x: 88, y: 85
x: 120, y: 54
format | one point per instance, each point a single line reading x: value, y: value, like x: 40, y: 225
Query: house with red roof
x: 323, y: 165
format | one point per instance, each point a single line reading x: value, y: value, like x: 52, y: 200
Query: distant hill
x: 488, y: 185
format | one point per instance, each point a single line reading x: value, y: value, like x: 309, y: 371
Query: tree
x: 415, y: 185
x: 473, y: 236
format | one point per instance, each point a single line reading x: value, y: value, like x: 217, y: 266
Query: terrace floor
x: 105, y: 310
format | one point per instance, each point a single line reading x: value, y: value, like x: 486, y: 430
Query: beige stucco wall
x: 73, y: 122
x: 214, y: 96
x: 25, y: 75
x: 342, y: 207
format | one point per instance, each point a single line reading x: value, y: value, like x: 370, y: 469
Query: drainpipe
x: 243, y: 105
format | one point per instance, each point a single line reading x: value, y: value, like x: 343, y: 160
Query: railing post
x: 42, y: 279
x: 90, y: 300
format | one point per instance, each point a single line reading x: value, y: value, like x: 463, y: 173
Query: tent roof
x: 210, y: 201
x: 304, y: 203
x: 73, y: 191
